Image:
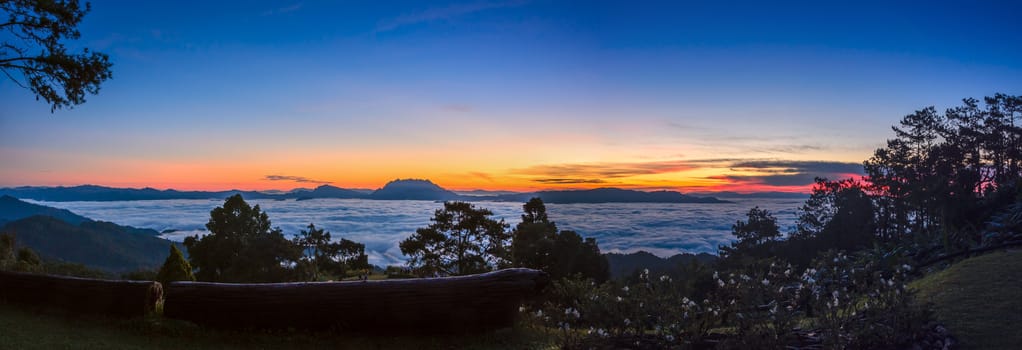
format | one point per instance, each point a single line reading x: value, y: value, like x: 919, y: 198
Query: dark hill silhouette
x: 95, y: 244
x: 411, y: 189
x: 327, y: 191
x: 12, y: 209
x: 414, y: 189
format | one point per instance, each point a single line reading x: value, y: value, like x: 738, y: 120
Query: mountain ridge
x: 400, y: 189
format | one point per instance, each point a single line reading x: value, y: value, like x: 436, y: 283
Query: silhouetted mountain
x: 415, y: 189
x: 623, y: 265
x: 772, y: 195
x: 95, y: 244
x: 101, y: 193
x: 12, y: 209
x: 608, y: 195
x: 327, y: 191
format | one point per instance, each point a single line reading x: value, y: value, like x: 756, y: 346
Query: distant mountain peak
x: 417, y: 189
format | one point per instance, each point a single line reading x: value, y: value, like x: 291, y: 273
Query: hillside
x: 12, y: 209
x: 978, y: 299
x: 95, y: 244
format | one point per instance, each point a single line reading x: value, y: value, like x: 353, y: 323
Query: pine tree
x: 175, y: 268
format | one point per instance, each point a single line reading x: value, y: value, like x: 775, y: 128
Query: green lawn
x: 28, y: 328
x: 979, y: 299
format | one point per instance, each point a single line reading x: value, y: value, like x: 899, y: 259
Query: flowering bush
x: 845, y: 301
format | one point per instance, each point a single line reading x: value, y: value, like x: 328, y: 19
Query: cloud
x: 481, y: 175
x: 441, y: 13
x: 301, y: 179
x: 569, y: 181
x: 797, y: 166
x: 285, y: 9
x: 664, y: 229
x: 789, y: 172
x: 603, y: 170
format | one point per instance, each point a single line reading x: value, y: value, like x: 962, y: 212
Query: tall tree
x: 241, y: 246
x: 537, y: 244
x: 175, y: 268
x: 323, y: 255
x: 461, y: 240
x: 33, y: 54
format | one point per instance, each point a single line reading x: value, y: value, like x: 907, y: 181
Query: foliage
x: 461, y: 240
x: 854, y: 302
x: 96, y: 244
x: 175, y: 268
x: 37, y: 53
x: 17, y: 259
x: 322, y: 255
x: 938, y: 177
x: 754, y: 238
x: 537, y: 244
x: 241, y: 247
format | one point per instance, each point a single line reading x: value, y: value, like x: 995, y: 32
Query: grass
x: 32, y: 328
x: 979, y: 299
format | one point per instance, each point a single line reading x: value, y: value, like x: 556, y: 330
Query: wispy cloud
x: 789, y: 172
x: 602, y: 170
x: 292, y: 178
x: 569, y: 181
x: 285, y: 9
x: 481, y: 175
x: 441, y: 13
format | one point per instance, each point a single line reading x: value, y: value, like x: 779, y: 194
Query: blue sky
x: 492, y: 94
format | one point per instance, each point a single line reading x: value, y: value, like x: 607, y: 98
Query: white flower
x: 720, y: 283
x: 625, y: 289
x: 619, y: 299
x: 906, y: 267
x: 664, y: 278
x: 670, y: 338
x: 628, y: 322
x: 766, y: 282
x: 684, y: 300
x: 787, y: 272
x: 539, y: 313
x: 715, y: 275
x: 521, y: 309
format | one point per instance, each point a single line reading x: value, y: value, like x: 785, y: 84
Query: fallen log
x: 452, y: 304
x: 84, y: 295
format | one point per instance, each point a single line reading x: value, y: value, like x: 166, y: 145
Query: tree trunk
x: 107, y: 297
x: 452, y: 304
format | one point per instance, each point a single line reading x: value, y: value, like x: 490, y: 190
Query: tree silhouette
x: 241, y: 246
x: 175, y: 268
x: 537, y: 244
x: 36, y: 57
x: 322, y: 255
x: 461, y: 240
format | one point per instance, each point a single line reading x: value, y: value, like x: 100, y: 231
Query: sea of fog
x: 660, y: 228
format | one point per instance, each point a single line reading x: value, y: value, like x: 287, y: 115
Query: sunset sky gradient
x: 516, y: 95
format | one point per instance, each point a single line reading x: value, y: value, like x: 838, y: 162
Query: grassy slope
x: 25, y: 328
x: 979, y: 299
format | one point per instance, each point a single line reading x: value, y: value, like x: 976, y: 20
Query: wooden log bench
x: 451, y: 304
x: 84, y: 295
